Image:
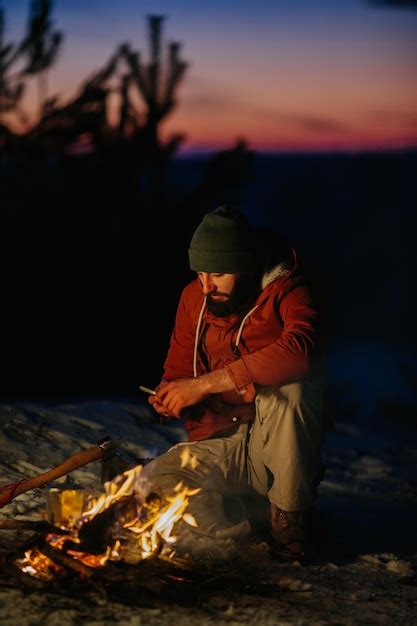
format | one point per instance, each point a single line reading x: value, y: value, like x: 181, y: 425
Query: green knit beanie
x: 223, y: 243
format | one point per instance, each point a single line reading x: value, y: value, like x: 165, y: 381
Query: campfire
x: 127, y: 522
x: 121, y: 545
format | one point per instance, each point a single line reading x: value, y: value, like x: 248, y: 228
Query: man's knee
x: 164, y: 472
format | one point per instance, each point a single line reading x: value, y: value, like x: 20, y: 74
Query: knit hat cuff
x: 222, y: 262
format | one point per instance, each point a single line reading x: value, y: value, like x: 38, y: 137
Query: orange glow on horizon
x: 285, y: 76
x: 294, y: 116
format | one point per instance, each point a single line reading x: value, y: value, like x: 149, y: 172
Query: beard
x: 240, y: 300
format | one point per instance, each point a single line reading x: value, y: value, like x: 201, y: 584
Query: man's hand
x: 155, y: 401
x: 173, y: 397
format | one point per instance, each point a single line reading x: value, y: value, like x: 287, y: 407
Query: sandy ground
x: 365, y: 565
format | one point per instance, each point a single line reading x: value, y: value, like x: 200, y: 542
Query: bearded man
x: 243, y: 371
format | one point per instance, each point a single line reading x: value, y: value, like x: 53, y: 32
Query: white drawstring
x: 242, y: 323
x: 197, y: 335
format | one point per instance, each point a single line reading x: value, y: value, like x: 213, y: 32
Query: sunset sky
x: 285, y: 75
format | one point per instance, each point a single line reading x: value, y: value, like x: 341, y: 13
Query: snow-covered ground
x: 365, y: 569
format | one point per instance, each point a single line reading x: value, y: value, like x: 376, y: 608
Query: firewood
x: 38, y: 526
x: 95, y: 535
x: 12, y: 576
x: 61, y: 558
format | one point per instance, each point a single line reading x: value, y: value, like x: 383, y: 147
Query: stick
x: 147, y: 390
x: 75, y: 461
x: 58, y: 556
x: 38, y: 526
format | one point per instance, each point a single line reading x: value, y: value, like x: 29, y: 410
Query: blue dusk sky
x: 296, y: 75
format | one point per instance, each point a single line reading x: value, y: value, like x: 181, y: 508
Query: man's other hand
x: 172, y: 398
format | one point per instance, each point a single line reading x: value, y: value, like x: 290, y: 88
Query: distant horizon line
x: 208, y: 152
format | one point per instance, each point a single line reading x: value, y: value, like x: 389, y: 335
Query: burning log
x: 12, y: 575
x: 99, y: 532
x: 125, y: 516
x: 61, y: 558
x: 38, y: 564
x: 97, y: 549
x: 144, y: 582
x: 38, y: 526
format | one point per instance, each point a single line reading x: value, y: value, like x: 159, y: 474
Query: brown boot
x: 291, y: 534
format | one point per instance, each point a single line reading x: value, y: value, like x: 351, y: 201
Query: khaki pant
x: 278, y: 456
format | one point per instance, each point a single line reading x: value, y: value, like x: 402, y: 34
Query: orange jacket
x: 276, y: 344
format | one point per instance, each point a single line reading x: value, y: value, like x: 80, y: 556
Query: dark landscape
x: 95, y: 222
x: 92, y: 273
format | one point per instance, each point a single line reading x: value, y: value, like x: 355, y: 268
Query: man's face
x: 228, y: 293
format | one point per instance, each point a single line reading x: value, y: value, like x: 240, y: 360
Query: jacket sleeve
x: 179, y: 359
x: 287, y: 359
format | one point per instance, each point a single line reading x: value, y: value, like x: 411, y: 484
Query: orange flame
x: 153, y: 525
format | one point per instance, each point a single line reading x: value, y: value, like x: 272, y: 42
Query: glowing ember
x: 37, y: 564
x: 152, y: 523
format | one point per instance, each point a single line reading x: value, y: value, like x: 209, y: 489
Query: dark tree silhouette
x: 86, y: 113
x: 158, y: 95
x: 11, y: 88
x: 157, y: 86
x: 125, y: 74
x: 395, y: 4
x: 138, y: 126
x: 81, y: 196
x: 40, y: 46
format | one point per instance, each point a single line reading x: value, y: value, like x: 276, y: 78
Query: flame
x: 92, y: 560
x: 152, y: 525
x: 38, y: 565
x: 159, y: 526
x: 188, y: 457
x: 114, y: 490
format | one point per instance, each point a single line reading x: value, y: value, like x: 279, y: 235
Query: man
x: 243, y: 372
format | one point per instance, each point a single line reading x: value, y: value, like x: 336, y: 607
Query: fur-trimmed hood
x: 285, y: 268
x: 277, y: 257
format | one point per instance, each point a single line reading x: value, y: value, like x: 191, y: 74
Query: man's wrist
x: 216, y: 382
